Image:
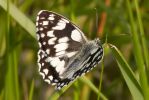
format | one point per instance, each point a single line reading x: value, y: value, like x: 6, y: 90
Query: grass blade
x: 25, y: 22
x: 138, y: 53
x: 101, y: 76
x: 15, y: 70
x: 128, y: 74
x: 142, y: 38
x: 31, y: 91
x: 57, y: 94
x: 92, y: 86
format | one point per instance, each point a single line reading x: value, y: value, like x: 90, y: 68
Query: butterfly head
x: 97, y: 41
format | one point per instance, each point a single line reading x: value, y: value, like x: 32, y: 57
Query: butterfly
x: 64, y: 51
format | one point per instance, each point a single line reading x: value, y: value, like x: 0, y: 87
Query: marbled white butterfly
x: 64, y: 53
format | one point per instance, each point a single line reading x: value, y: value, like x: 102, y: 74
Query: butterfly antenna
x: 106, y: 40
x: 96, y: 17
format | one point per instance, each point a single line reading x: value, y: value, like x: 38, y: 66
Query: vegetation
x: 121, y: 25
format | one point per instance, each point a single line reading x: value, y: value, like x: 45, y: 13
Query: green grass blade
x: 101, y: 76
x: 142, y: 38
x: 15, y: 70
x: 31, y: 91
x: 138, y: 54
x: 2, y: 95
x: 19, y: 17
x: 57, y: 94
x: 76, y: 93
x: 92, y: 86
x: 11, y: 79
x: 8, y: 78
x: 128, y: 74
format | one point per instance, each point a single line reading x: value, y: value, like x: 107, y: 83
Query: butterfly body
x: 64, y: 53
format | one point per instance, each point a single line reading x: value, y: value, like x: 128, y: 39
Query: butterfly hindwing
x: 90, y: 61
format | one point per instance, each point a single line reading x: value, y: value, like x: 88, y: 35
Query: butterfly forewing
x: 61, y: 45
x: 57, y: 34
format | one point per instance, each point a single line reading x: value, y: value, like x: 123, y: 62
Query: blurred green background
x: 121, y: 25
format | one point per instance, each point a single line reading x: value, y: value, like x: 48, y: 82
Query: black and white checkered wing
x: 59, y: 41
